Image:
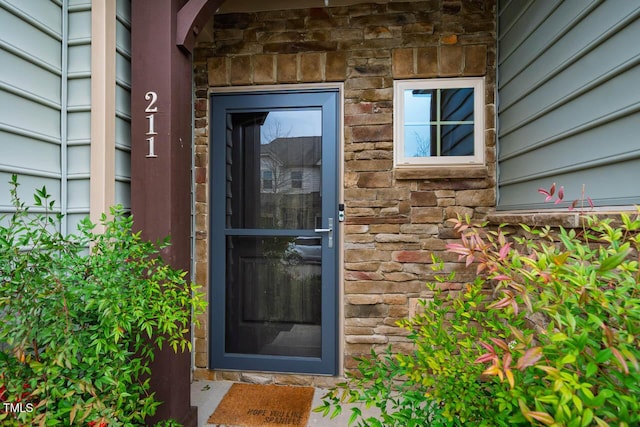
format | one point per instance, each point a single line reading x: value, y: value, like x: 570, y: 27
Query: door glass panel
x: 273, y: 184
x: 274, y: 296
x: 274, y: 165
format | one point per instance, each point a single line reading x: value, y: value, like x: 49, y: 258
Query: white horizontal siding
x: 23, y: 76
x: 28, y: 185
x: 78, y: 194
x: 123, y: 133
x: 79, y: 96
x: 78, y: 113
x: 79, y: 5
x: 123, y: 163
x: 611, y: 189
x: 46, y: 14
x: 79, y: 25
x: 569, y: 102
x: 24, y: 36
x: 515, y: 58
x: 524, y: 19
x: 580, y: 40
x: 123, y: 104
x: 123, y: 101
x: 79, y: 160
x: 30, y: 98
x: 45, y: 99
x: 78, y: 156
x: 79, y: 62
x: 123, y: 193
x: 78, y: 116
x: 606, y: 61
x: 598, y: 105
x: 21, y: 153
x: 79, y: 127
x: 21, y: 112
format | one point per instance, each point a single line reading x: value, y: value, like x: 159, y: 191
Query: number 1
x: 151, y: 141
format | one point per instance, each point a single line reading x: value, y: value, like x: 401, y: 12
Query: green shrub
x: 554, y: 342
x: 78, y: 330
x: 579, y: 365
x: 438, y: 383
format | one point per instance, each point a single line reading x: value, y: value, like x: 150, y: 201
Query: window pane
x: 417, y: 140
x: 457, y: 140
x: 456, y: 104
x: 267, y: 180
x: 417, y: 107
x: 426, y: 132
x: 296, y: 179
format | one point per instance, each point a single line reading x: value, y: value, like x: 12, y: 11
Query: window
x: 267, y: 180
x: 439, y: 122
x: 296, y: 179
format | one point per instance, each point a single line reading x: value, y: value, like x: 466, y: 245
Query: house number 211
x: 151, y: 133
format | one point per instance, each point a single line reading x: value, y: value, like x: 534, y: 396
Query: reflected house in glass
x: 290, y: 174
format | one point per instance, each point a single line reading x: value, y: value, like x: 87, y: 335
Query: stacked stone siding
x: 395, y: 219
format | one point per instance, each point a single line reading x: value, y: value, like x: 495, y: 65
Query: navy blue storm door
x: 273, y: 231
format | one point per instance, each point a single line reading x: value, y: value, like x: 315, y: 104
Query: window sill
x: 442, y: 172
x: 535, y: 219
x: 555, y: 218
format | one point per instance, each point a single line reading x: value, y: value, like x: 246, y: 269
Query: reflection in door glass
x: 274, y: 166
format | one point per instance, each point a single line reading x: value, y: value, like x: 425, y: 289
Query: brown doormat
x: 255, y: 405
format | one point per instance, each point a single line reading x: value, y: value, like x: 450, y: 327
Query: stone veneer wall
x: 395, y: 219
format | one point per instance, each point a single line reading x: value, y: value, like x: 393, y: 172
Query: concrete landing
x: 206, y: 395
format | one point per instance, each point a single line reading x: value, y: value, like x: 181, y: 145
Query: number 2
x: 152, y: 97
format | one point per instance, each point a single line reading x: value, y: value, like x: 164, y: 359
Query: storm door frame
x: 329, y: 99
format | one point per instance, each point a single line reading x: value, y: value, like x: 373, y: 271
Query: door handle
x: 329, y: 231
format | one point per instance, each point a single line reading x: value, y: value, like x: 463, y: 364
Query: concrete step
x: 206, y: 395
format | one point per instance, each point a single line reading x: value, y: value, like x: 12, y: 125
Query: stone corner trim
x: 439, y: 61
x: 312, y: 67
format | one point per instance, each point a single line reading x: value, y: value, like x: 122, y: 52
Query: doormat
x: 256, y: 405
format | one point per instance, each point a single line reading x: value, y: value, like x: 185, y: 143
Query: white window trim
x: 399, y: 87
